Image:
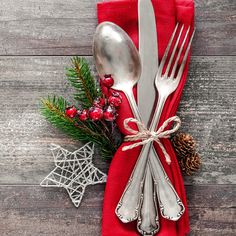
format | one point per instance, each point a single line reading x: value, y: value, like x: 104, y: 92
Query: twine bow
x: 147, y: 136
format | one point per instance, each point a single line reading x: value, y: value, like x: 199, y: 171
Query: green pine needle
x: 81, y: 79
x: 53, y: 109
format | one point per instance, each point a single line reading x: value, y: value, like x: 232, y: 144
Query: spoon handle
x: 128, y: 207
x: 132, y: 102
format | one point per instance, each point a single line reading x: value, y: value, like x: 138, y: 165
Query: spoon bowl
x: 115, y: 54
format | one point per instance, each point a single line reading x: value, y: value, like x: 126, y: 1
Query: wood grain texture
x: 35, y: 211
x: 58, y: 27
x: 207, y: 110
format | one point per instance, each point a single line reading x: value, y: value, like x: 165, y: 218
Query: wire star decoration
x: 74, y: 171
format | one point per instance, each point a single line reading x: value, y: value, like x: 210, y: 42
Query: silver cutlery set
x: 149, y: 186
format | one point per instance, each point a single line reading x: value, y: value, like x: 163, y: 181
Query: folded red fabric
x: 124, y: 13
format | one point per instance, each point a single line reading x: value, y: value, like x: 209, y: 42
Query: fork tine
x: 179, y: 54
x: 173, y: 52
x: 181, y: 69
x: 167, y: 51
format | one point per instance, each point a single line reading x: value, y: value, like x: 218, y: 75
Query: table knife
x: 129, y: 206
x: 148, y: 50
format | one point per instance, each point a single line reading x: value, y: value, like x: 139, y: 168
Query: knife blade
x: 148, y: 50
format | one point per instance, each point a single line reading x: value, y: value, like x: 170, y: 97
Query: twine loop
x: 145, y: 136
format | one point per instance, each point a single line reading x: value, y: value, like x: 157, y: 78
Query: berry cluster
x: 104, y: 107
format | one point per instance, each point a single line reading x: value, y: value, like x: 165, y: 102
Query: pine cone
x: 190, y: 164
x: 184, y: 144
x: 185, y: 149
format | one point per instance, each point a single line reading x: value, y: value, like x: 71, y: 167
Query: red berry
x: 109, y: 114
x: 83, y: 115
x: 104, y: 89
x: 71, y: 112
x: 115, y: 99
x: 95, y: 113
x: 99, y: 102
x: 107, y: 81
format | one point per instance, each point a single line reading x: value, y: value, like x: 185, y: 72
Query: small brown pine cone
x: 191, y: 163
x: 184, y: 144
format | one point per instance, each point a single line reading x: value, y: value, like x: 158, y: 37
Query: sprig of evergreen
x: 53, y: 109
x: 81, y: 79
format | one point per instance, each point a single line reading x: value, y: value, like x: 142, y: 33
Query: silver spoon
x: 115, y: 54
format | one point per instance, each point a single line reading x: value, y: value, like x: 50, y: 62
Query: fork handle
x: 171, y: 206
x: 158, y: 111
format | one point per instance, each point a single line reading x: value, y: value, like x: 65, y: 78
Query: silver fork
x: 170, y: 204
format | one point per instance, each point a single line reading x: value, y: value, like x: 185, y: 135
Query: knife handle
x: 148, y: 220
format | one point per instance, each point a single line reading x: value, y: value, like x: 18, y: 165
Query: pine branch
x: 81, y: 79
x: 53, y: 109
x: 86, y: 91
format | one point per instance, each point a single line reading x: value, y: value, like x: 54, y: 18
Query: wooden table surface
x: 37, y: 40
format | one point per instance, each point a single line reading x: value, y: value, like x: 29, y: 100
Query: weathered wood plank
x: 212, y: 222
x: 207, y: 110
x: 58, y: 27
x: 215, y: 25
x: 32, y: 210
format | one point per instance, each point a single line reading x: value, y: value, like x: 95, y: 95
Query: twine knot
x: 145, y: 136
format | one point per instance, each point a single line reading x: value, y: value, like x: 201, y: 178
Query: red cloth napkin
x: 124, y: 13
